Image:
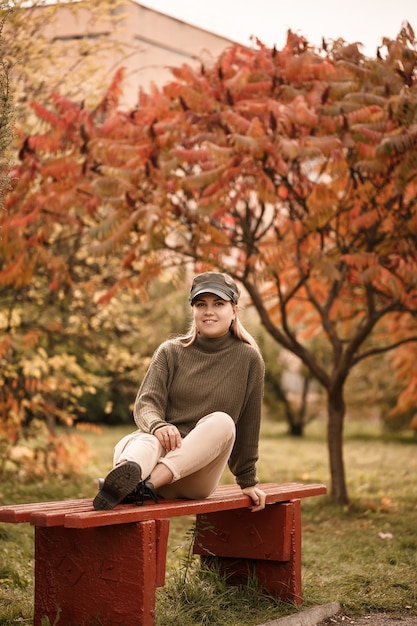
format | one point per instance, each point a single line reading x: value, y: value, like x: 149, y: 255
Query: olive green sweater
x: 183, y: 384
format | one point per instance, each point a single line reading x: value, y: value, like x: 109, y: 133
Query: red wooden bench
x: 104, y: 566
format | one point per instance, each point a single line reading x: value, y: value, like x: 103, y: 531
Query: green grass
x: 364, y: 555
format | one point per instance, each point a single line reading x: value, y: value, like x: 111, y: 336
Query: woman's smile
x: 213, y: 315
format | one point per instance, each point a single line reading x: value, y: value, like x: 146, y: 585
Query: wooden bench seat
x: 104, y: 566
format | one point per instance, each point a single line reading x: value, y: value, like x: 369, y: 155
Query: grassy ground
x: 364, y: 556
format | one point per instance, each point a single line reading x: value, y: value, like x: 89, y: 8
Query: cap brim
x: 216, y: 291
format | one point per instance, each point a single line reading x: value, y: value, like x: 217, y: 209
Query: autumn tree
x: 58, y: 344
x: 54, y: 347
x: 294, y: 170
x: 303, y: 164
x: 71, y: 348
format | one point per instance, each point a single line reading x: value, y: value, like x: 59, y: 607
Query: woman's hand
x: 169, y: 437
x: 257, y: 496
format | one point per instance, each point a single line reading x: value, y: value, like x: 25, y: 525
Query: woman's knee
x: 138, y: 447
x: 224, y: 423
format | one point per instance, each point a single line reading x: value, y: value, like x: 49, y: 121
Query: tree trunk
x: 336, y: 414
x: 295, y: 423
x: 296, y: 430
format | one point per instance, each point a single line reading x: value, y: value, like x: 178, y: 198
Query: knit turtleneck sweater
x: 185, y: 383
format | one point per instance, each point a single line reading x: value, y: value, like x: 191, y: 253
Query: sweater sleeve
x: 150, y: 406
x: 244, y: 456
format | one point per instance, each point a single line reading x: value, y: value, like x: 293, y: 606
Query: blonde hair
x: 236, y: 328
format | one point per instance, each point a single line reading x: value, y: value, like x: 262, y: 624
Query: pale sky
x: 365, y: 21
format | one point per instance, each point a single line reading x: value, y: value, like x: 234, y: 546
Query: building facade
x: 149, y: 43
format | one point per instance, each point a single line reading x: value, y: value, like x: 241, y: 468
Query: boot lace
x: 143, y: 491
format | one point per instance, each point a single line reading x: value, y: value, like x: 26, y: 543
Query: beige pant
x: 196, y: 466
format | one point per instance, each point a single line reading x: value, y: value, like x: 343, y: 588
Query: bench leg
x: 106, y: 575
x: 266, y: 544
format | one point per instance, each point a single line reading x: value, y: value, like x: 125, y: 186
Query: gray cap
x: 216, y: 283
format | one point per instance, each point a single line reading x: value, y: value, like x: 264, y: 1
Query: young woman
x: 197, y: 409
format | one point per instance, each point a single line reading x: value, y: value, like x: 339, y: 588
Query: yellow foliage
x: 13, y: 273
x: 325, y: 145
x: 199, y: 181
x: 289, y: 148
x: 253, y: 145
x: 303, y: 114
x: 109, y: 187
x: 220, y: 153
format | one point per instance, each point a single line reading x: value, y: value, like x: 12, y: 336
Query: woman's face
x: 212, y: 315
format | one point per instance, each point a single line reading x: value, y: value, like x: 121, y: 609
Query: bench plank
x: 223, y: 499
x: 20, y: 513
x: 80, y: 513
